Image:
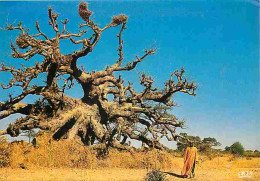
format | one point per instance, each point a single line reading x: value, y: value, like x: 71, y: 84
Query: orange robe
x: 190, y: 156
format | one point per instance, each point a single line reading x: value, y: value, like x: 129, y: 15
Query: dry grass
x: 206, y: 171
x: 67, y: 154
x: 58, y: 161
x: 71, y: 174
x: 5, y: 152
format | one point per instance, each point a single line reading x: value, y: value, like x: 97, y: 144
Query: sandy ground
x: 43, y: 174
x: 217, y: 169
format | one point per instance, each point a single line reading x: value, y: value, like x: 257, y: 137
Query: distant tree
x: 227, y: 148
x: 208, y: 143
x: 185, y: 141
x: 257, y: 153
x: 203, y: 145
x: 29, y: 133
x: 237, y: 148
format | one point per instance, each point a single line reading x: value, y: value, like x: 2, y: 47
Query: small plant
x: 155, y: 175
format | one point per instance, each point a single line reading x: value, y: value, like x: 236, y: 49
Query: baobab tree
x: 111, y: 111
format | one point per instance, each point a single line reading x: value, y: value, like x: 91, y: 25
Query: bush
x: 5, y: 152
x: 237, y: 148
x: 155, y: 175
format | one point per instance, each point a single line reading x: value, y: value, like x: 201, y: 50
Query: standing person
x: 190, y: 160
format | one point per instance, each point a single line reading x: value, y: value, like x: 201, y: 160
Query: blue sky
x: 217, y: 42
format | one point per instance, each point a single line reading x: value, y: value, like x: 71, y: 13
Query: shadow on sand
x: 175, y: 175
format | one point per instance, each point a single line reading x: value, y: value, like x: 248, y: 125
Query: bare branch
x: 40, y: 32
